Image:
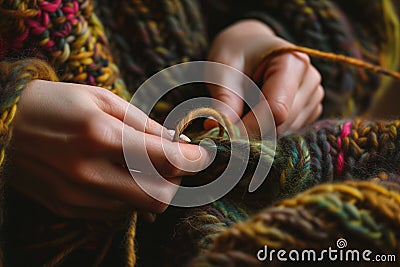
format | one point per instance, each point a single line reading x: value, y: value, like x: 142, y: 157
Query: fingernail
x: 185, y: 138
x: 182, y: 137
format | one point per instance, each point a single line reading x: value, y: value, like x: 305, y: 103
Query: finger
x: 99, y: 177
x: 65, y: 199
x: 309, y: 95
x: 149, y: 153
x: 310, y: 111
x: 282, y: 79
x: 153, y: 195
x: 315, y: 115
x: 129, y: 114
x: 145, y: 152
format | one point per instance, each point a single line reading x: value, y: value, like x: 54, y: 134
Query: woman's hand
x: 68, y: 155
x: 292, y: 86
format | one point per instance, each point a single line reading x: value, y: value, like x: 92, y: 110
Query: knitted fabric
x: 329, y: 151
x: 70, y: 37
x: 362, y: 213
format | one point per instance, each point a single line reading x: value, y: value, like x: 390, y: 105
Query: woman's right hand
x: 68, y: 155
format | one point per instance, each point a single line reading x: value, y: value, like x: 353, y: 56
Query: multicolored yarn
x: 15, y: 77
x: 67, y: 34
x: 329, y: 151
x: 70, y: 37
x: 166, y: 33
x: 365, y: 214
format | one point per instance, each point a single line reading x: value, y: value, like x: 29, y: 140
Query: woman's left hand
x: 292, y: 86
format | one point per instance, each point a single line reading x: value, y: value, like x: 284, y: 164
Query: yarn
x: 329, y: 151
x: 365, y: 214
x: 326, y: 152
x: 223, y: 121
x: 15, y: 77
x: 69, y: 36
x: 316, y: 156
x: 168, y: 32
x: 327, y: 56
x: 301, y: 161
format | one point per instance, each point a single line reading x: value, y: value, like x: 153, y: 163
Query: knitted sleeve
x: 342, y: 27
x: 14, y: 77
x: 66, y: 34
x: 46, y: 40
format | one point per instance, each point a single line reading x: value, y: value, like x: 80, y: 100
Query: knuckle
x: 78, y: 169
x: 320, y: 93
x: 304, y: 57
x: 101, y: 135
x: 307, y: 59
x: 281, y: 111
x: 151, y: 125
x: 93, y: 128
x: 317, y: 75
x: 320, y: 108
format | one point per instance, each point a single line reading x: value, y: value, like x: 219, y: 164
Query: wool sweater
x: 117, y: 45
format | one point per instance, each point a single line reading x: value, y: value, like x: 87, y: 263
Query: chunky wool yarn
x: 363, y: 214
x: 328, y: 152
x: 89, y: 42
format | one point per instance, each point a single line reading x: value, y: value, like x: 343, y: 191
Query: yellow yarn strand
x: 392, y: 25
x: 130, y: 242
x: 390, y: 49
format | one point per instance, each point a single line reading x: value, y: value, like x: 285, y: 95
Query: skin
x: 73, y: 164
x: 67, y: 138
x: 292, y: 86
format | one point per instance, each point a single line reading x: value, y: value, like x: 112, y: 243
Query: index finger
x: 281, y: 82
x: 150, y: 153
